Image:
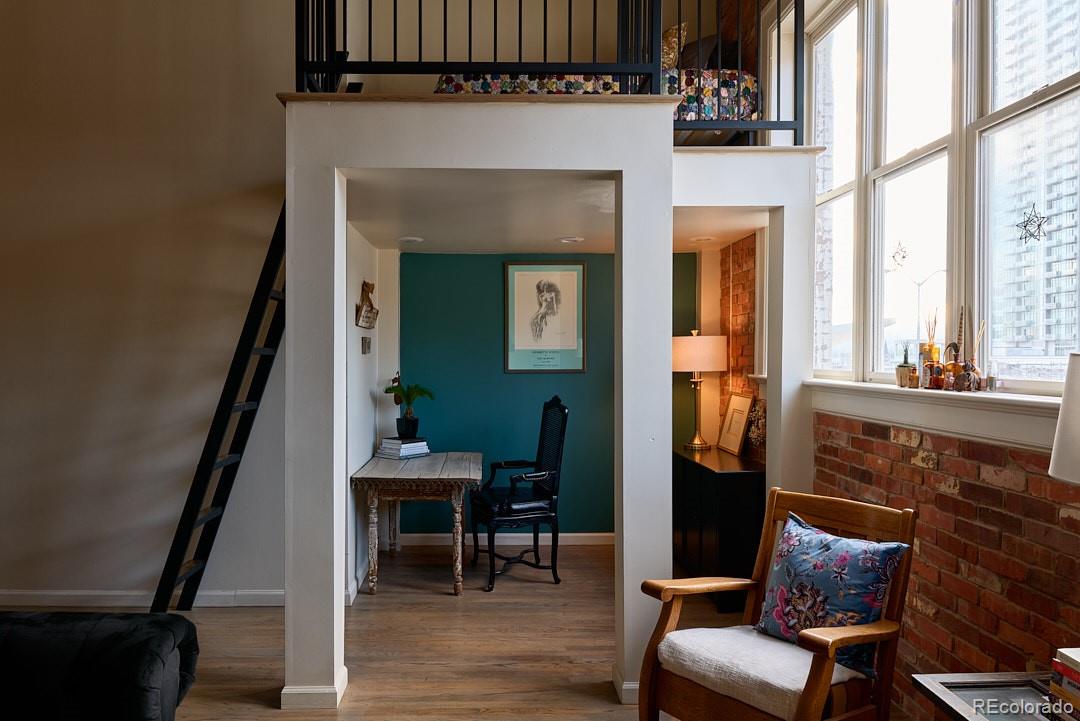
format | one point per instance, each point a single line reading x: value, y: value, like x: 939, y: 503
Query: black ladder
x: 223, y: 450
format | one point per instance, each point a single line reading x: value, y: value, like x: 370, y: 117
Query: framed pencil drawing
x: 544, y: 311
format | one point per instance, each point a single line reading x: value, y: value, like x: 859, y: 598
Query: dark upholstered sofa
x: 95, y: 666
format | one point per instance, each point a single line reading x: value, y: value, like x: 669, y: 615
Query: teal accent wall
x: 683, y: 320
x: 452, y: 342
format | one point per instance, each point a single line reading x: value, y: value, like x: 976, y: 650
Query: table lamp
x: 697, y: 354
x: 1065, y: 458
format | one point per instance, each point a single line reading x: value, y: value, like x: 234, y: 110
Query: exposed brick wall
x: 738, y: 279
x: 996, y: 574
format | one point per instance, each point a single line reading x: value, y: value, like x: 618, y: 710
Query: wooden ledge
x: 286, y: 98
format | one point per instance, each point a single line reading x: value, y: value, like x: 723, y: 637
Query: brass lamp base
x: 698, y: 442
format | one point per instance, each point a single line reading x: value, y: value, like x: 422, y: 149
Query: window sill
x: 1004, y: 418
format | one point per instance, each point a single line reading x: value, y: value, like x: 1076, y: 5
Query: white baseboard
x: 137, y: 599
x: 308, y: 697
x: 627, y: 691
x: 509, y: 539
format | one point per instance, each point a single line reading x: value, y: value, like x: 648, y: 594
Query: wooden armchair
x: 802, y: 681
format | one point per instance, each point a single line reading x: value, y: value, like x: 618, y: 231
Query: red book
x: 1066, y: 671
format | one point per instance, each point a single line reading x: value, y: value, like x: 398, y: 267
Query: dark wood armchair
x: 800, y: 682
x: 531, y: 498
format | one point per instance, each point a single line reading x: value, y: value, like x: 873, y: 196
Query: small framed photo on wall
x: 733, y: 429
x: 544, y: 310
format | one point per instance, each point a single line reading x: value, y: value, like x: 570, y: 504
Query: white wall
x: 143, y: 170
x: 781, y: 179
x: 371, y: 412
x: 325, y: 140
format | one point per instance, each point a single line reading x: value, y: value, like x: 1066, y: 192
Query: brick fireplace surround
x: 996, y: 574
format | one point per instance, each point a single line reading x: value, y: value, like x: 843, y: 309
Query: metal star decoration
x: 1032, y: 228
x: 899, y: 255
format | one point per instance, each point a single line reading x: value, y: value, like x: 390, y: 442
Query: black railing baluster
x: 594, y: 31
x: 699, y: 72
x: 545, y: 30
x: 800, y: 88
x: 395, y: 31
x: 519, y: 31
x: 569, y: 31
x: 657, y: 41
x: 420, y: 30
x: 495, y: 27
x: 759, y: 73
x: 719, y: 39
x: 679, y: 32
x: 370, y: 20
x: 470, y: 31
x: 300, y: 43
x: 344, y: 24
x: 739, y: 66
x: 445, y: 25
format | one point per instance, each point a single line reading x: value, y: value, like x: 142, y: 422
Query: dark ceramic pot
x: 408, y: 427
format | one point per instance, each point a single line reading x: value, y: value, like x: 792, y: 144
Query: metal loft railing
x: 738, y: 63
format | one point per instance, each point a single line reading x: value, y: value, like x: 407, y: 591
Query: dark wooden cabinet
x: 718, y: 507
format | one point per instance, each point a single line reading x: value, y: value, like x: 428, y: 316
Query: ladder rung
x: 244, y: 407
x: 208, y: 514
x: 277, y: 294
x: 227, y: 460
x: 263, y: 350
x: 189, y: 569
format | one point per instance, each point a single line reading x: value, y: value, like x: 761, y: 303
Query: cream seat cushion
x: 759, y: 670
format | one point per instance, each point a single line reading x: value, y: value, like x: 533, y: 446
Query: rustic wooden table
x: 435, y: 477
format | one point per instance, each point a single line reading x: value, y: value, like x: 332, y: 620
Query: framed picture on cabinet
x: 736, y: 418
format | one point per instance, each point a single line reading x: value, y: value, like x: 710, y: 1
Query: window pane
x: 912, y: 260
x: 1035, y: 43
x: 1032, y: 162
x: 835, y: 66
x: 918, y: 83
x: 834, y: 249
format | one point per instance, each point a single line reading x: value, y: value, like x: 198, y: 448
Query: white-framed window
x: 835, y: 101
x: 965, y: 122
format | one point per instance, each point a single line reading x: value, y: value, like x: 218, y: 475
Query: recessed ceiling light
x: 571, y: 239
x: 702, y: 239
x: 410, y: 239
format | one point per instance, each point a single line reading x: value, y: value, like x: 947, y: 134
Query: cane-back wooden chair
x: 743, y: 667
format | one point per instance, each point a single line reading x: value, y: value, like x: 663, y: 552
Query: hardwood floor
x: 530, y: 650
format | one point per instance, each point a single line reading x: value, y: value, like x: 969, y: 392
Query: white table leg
x: 456, y: 503
x: 392, y: 508
x: 373, y: 539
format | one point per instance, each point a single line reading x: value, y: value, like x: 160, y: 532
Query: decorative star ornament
x: 899, y: 255
x: 1033, y: 226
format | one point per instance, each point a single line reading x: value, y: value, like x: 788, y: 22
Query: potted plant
x: 408, y: 424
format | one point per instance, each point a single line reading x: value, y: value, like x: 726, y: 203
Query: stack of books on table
x: 402, y: 448
x: 1065, y: 684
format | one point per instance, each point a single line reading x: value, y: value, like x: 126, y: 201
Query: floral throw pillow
x: 818, y: 579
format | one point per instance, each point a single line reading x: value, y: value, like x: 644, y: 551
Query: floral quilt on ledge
x: 712, y: 94
x: 818, y: 579
x: 530, y: 84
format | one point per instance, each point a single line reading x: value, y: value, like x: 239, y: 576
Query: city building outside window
x: 961, y: 119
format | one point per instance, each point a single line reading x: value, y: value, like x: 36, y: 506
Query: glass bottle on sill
x: 929, y: 356
x: 954, y: 366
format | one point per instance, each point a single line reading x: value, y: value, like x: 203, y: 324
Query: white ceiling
x: 514, y: 211
x: 711, y: 228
